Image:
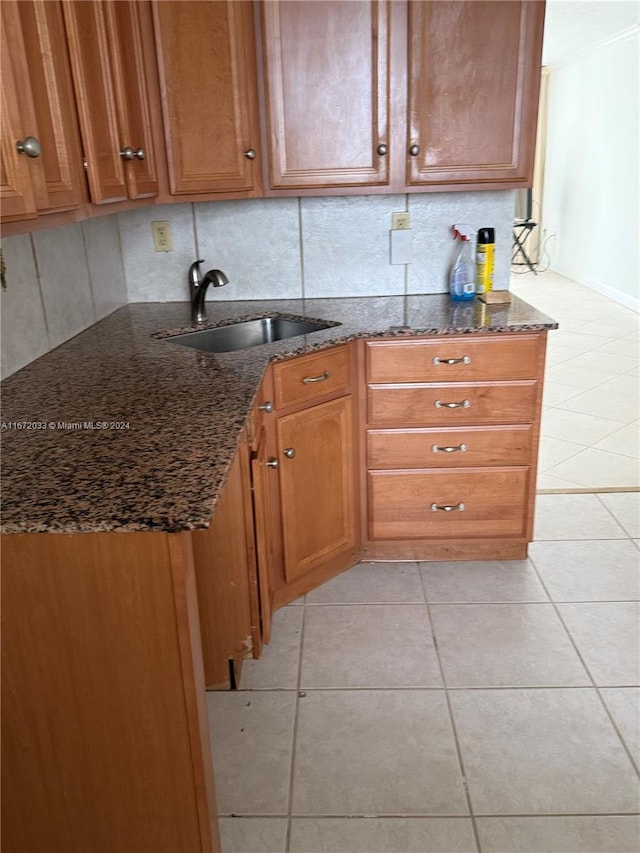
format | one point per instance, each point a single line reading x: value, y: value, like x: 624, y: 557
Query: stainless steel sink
x: 249, y: 333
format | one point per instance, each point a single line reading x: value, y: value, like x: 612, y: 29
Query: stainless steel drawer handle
x: 459, y: 448
x: 448, y: 507
x: 466, y: 359
x: 463, y: 404
x: 323, y: 376
x: 266, y: 407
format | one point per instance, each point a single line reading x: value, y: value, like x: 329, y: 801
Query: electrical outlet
x: 401, y: 221
x: 162, y: 237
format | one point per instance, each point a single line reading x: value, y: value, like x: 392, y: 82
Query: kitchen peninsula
x: 112, y: 619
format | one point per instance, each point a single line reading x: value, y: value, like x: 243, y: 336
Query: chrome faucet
x: 198, y: 288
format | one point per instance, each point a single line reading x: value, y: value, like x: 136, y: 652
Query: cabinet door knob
x: 266, y: 407
x: 272, y: 463
x: 250, y: 154
x: 290, y: 452
x: 448, y: 507
x: 130, y: 153
x: 382, y: 149
x: 29, y: 146
x: 414, y: 150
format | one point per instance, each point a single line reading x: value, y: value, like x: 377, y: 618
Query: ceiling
x: 572, y: 25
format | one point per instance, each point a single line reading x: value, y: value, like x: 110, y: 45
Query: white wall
x: 590, y: 198
x: 60, y: 282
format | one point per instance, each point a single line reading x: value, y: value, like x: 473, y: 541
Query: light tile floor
x: 590, y: 435
x: 449, y: 707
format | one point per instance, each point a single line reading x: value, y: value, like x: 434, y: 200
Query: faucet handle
x: 194, y: 271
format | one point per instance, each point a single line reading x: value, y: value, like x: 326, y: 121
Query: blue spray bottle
x: 462, y: 284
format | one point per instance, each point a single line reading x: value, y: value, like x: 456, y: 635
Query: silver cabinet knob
x: 290, y: 452
x: 266, y: 407
x: 250, y: 154
x: 382, y: 149
x: 414, y: 150
x: 272, y: 463
x: 130, y: 153
x: 30, y: 146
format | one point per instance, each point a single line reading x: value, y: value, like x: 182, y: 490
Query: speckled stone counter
x: 120, y: 430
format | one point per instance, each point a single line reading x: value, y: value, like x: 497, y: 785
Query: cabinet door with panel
x: 226, y: 578
x: 206, y: 62
x: 315, y: 454
x: 41, y: 155
x: 326, y: 69
x: 109, y: 73
x: 474, y: 75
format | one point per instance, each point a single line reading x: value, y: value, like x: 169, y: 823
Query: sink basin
x: 249, y: 333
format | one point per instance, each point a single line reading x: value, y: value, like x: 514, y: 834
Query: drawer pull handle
x: 463, y: 404
x: 448, y: 507
x: 323, y: 376
x: 437, y: 449
x: 466, y: 359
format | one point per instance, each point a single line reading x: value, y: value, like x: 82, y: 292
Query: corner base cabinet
x: 450, y: 427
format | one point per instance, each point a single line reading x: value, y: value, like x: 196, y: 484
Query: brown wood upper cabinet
x: 474, y: 73
x: 326, y: 68
x: 206, y: 63
x: 108, y: 63
x: 400, y: 96
x: 41, y: 159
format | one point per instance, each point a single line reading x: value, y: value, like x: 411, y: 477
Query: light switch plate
x: 162, y: 236
x: 401, y: 247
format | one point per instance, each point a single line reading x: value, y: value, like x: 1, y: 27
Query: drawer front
x: 310, y: 376
x: 452, y: 448
x: 488, y: 502
x: 453, y: 404
x: 455, y: 359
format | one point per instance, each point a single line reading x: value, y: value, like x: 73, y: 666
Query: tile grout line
x: 588, y: 671
x: 465, y: 782
x: 610, y: 511
x: 295, y: 729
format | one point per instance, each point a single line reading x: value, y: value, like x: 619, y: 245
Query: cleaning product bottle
x: 484, y: 259
x: 462, y: 276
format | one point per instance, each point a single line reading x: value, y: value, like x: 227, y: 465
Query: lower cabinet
x: 450, y: 445
x: 308, y: 473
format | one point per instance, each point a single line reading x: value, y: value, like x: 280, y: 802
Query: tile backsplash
x: 61, y: 281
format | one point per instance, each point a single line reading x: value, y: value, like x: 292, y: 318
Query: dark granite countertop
x: 118, y: 430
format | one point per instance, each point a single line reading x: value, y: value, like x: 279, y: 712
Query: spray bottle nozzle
x: 461, y: 232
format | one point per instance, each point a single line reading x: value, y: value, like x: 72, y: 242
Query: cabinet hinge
x: 85, y: 163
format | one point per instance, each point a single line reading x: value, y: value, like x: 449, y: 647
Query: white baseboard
x: 626, y: 299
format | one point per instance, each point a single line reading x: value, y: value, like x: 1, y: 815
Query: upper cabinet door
x: 206, y: 62
x: 16, y: 187
x: 108, y: 73
x: 474, y: 73
x: 326, y: 67
x: 38, y: 103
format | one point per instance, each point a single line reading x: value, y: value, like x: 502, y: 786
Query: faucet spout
x: 198, y: 288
